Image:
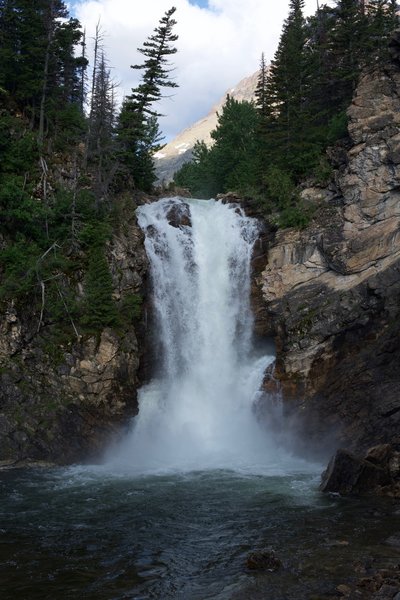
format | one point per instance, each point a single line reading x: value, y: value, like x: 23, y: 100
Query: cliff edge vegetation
x: 73, y: 169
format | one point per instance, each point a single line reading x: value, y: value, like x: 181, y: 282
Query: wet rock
x: 347, y: 474
x: 387, y: 592
x: 394, y: 541
x: 379, y: 455
x: 264, y: 560
x: 179, y: 215
x: 377, y: 472
x: 382, y: 584
x: 394, y: 465
x: 344, y: 590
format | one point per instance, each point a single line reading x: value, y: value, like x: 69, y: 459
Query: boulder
x: 264, y: 560
x: 379, y: 455
x: 347, y: 474
x: 179, y: 215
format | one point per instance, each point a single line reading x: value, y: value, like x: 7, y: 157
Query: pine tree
x: 156, y: 68
x: 382, y: 20
x: 138, y: 133
x: 285, y: 94
x: 348, y: 42
x: 232, y: 157
x: 261, y: 92
x: 100, y: 139
x: 196, y: 175
x: 100, y: 309
x: 265, y: 109
x: 38, y: 68
x: 62, y: 99
x: 230, y: 164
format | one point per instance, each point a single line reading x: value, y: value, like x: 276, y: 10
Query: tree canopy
x: 66, y: 159
x: 300, y: 105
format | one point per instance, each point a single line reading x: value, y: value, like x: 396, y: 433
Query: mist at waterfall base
x: 199, y: 412
x: 198, y: 483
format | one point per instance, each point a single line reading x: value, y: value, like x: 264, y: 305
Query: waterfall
x: 198, y: 411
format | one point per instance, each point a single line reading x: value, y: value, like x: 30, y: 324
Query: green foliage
x: 280, y: 187
x: 130, y: 308
x: 138, y: 134
x: 156, y: 72
x: 196, y: 175
x: 323, y: 172
x: 284, y: 200
x: 230, y: 163
x: 99, y: 307
x: 337, y: 127
x: 55, y: 192
x: 232, y: 156
x: 38, y: 67
x: 95, y: 233
x: 18, y: 268
x: 294, y: 216
x: 68, y: 127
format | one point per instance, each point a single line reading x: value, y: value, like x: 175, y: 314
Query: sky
x: 220, y: 42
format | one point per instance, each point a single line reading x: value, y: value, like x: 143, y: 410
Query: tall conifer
x: 138, y: 133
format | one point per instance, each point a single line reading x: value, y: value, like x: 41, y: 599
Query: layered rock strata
x: 331, y: 293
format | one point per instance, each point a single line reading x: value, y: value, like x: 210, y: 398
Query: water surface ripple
x: 80, y: 533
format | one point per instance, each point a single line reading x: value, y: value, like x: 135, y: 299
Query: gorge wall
x: 329, y: 295
x: 63, y: 402
x: 331, y: 292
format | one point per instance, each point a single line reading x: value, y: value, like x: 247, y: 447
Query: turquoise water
x: 81, y: 533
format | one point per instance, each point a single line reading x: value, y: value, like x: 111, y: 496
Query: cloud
x: 219, y: 44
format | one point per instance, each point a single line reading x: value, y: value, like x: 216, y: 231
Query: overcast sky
x: 220, y: 43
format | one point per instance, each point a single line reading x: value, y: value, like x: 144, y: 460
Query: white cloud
x: 217, y: 46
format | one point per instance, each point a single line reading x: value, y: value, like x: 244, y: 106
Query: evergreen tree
x: 348, y: 42
x: 196, y: 175
x: 230, y: 164
x: 156, y: 68
x: 382, y: 20
x: 232, y: 157
x: 38, y: 68
x: 100, y: 139
x: 138, y: 134
x: 261, y: 92
x: 99, y: 306
x: 286, y: 115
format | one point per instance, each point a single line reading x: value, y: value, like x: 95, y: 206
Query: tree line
x: 67, y: 152
x: 266, y: 147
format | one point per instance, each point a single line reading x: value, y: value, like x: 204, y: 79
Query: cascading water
x: 197, y: 483
x: 198, y: 412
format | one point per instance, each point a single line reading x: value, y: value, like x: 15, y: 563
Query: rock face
x: 61, y: 402
x: 331, y: 292
x: 264, y: 560
x: 377, y: 472
x: 347, y: 474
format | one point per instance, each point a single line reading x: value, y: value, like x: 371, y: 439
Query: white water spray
x: 198, y: 413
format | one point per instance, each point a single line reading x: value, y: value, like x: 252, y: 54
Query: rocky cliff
x: 62, y: 402
x: 331, y: 293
